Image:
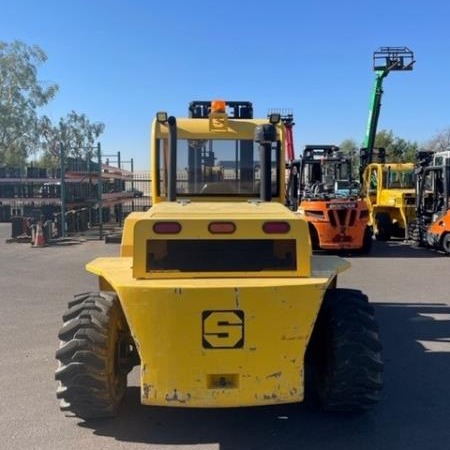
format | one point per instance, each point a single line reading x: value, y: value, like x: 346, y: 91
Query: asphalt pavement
x: 409, y: 287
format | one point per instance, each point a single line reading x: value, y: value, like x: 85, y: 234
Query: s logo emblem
x: 223, y: 329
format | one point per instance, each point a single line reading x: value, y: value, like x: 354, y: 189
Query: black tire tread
x: 84, y: 357
x: 445, y: 243
x: 384, y: 227
x: 367, y: 242
x: 350, y: 378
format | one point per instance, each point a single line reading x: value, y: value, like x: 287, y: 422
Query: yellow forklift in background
x: 389, y: 191
x: 216, y: 294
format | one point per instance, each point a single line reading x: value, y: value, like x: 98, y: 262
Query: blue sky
x: 121, y: 61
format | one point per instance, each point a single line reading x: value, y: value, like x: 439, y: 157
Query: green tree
x: 384, y: 139
x: 351, y: 148
x: 397, y: 148
x: 403, y: 150
x: 75, y: 132
x: 21, y: 95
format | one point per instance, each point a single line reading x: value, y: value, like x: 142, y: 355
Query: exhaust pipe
x: 265, y: 135
x: 172, y: 172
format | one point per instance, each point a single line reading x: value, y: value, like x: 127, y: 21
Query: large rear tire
x: 383, y: 226
x: 95, y: 355
x: 367, y: 242
x: 345, y: 353
x: 445, y: 243
x: 314, y: 236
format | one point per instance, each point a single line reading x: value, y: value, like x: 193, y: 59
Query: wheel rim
x: 446, y: 244
x: 117, y: 373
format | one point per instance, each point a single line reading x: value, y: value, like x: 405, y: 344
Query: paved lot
x: 409, y: 287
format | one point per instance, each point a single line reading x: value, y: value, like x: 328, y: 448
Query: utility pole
x: 63, y: 190
x: 100, y: 192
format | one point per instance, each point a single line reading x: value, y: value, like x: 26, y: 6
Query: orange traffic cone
x: 39, y: 240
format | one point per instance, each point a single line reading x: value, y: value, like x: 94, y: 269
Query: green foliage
x: 384, y: 138
x: 397, y: 149
x: 48, y: 160
x: 351, y: 148
x: 22, y: 130
x: 75, y: 132
x: 21, y: 95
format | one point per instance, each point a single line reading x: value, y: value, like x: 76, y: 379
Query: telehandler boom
x: 387, y: 187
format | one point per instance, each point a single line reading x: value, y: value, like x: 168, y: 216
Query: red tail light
x: 222, y: 227
x: 167, y: 227
x: 276, y: 227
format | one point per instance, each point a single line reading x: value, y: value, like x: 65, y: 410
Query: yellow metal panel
x: 195, y: 218
x: 178, y: 325
x: 201, y: 129
x: 126, y: 246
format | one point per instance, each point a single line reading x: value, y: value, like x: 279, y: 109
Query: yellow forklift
x: 216, y: 293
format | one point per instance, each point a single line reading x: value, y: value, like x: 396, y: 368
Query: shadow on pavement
x: 396, y: 248
x: 413, y: 413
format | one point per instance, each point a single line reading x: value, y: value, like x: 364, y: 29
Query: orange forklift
x: 432, y: 225
x: 330, y: 201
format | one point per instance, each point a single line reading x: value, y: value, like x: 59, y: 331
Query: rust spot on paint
x: 291, y: 338
x: 274, y: 375
x: 176, y: 397
x: 252, y: 349
x: 237, y: 294
x: 146, y: 388
x: 270, y: 396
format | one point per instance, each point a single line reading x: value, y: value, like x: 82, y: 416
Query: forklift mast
x: 287, y: 117
x: 289, y: 124
x: 292, y: 166
x: 385, y: 60
x: 433, y: 182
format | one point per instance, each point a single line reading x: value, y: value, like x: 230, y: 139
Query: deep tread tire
x: 345, y: 353
x: 92, y: 382
x: 367, y: 242
x: 414, y: 231
x: 314, y: 236
x: 384, y: 227
x: 445, y: 243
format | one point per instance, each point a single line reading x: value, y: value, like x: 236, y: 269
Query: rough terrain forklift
x: 432, y: 224
x: 216, y: 293
x: 330, y: 201
x: 389, y: 188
